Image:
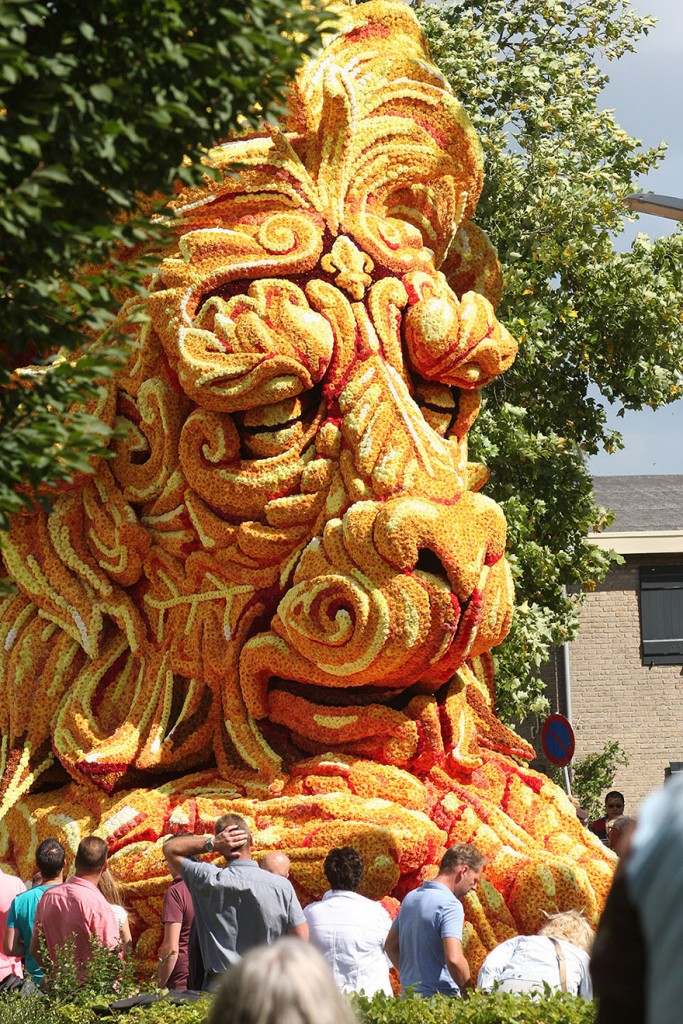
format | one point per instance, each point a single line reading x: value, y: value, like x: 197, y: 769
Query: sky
x: 645, y: 90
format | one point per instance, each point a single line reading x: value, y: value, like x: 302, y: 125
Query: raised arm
x: 178, y: 848
x: 227, y: 843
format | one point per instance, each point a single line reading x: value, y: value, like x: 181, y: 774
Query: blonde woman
x: 111, y: 891
x: 286, y: 983
x: 559, y: 956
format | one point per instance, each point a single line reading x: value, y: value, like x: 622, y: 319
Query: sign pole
x: 567, y: 780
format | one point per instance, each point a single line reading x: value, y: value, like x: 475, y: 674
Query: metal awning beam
x: 660, y: 206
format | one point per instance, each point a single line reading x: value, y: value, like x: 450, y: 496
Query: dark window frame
x: 661, y: 614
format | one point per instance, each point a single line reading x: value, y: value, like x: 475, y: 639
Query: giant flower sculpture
x: 281, y: 595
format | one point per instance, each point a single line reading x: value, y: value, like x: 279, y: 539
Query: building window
x: 661, y: 614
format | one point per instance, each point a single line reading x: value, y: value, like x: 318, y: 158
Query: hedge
x: 499, y: 1008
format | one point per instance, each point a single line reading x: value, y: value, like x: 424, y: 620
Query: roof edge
x: 639, y: 542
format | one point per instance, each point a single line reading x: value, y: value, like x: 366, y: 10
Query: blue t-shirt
x: 428, y: 915
x: 21, y: 915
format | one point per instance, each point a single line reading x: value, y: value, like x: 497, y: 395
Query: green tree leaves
x: 100, y: 104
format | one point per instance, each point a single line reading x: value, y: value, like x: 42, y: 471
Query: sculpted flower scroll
x: 281, y: 595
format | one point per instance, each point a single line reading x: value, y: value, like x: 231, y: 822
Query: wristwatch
x: 209, y: 845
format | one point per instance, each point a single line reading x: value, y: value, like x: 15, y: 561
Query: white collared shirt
x: 350, y: 931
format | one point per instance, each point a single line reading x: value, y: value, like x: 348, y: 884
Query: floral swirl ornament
x: 281, y: 595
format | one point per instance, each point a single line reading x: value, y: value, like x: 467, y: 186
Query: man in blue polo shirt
x: 237, y: 906
x: 425, y: 941
x: 50, y: 857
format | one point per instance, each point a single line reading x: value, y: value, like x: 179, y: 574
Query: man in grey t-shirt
x: 237, y: 906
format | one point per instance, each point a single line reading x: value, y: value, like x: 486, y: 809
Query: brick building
x: 622, y: 678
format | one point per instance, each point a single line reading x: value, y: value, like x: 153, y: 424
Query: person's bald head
x: 277, y: 863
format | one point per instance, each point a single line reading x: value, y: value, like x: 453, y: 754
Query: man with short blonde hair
x: 425, y: 941
x: 619, y: 832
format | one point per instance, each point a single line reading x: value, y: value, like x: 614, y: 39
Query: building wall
x: 614, y: 696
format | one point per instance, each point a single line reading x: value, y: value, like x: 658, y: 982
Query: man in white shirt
x: 349, y: 929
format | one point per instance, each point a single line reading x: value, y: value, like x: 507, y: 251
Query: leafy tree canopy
x: 530, y: 74
x: 99, y: 103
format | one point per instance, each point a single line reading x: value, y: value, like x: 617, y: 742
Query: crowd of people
x: 231, y: 916
x: 215, y: 913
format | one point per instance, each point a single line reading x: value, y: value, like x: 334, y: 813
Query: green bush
x: 164, y: 1013
x: 107, y: 971
x: 73, y: 997
x: 498, y: 1008
x: 39, y: 1010
x: 594, y: 775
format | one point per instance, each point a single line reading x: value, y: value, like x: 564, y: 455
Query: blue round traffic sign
x: 557, y: 737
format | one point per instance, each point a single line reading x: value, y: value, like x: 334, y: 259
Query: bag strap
x: 561, y: 963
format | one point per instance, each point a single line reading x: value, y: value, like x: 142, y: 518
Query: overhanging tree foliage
x: 100, y: 102
x: 530, y: 73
